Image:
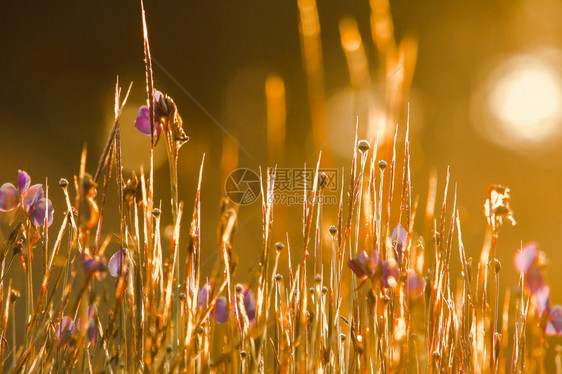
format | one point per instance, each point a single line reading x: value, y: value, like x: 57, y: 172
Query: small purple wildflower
x: 8, y: 197
x: 416, y: 284
x: 94, y: 264
x: 249, y: 304
x: 390, y: 273
x: 64, y: 331
x: 526, y: 257
x: 142, y: 122
x: 399, y: 237
x: 554, y: 324
x: 114, y: 264
x: 365, y: 266
x: 31, y: 198
x: 92, y: 332
x: 527, y: 261
x: 542, y: 299
x: 220, y: 312
x: 204, y: 294
x: 360, y: 265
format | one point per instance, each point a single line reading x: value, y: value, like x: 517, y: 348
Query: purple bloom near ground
x: 114, y: 264
x: 416, y: 284
x: 220, y: 312
x: 390, y: 273
x: 399, y: 236
x: 92, y: 332
x: 31, y: 199
x: 94, y: 264
x: 527, y: 261
x: 64, y: 331
x: 360, y: 265
x: 554, y: 324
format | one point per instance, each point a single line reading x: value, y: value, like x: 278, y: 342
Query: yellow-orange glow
x: 527, y: 98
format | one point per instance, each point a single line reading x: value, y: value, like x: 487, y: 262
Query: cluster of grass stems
x: 309, y: 320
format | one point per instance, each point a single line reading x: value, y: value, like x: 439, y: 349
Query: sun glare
x: 526, y: 98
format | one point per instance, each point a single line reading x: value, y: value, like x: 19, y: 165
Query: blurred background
x: 486, y: 99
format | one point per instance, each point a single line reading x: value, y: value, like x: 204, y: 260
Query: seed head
x: 279, y: 246
x: 363, y: 146
x: 497, y: 265
x: 333, y: 230
x: 382, y: 164
x: 156, y: 212
x: 14, y: 295
x: 63, y: 183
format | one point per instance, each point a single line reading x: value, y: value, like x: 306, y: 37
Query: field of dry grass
x: 378, y: 296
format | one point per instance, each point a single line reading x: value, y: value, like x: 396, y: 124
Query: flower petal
x: 416, y: 284
x: 250, y: 304
x: 94, y: 264
x: 526, y: 257
x: 534, y: 279
x: 542, y: 298
x: 221, y: 310
x: 204, y: 295
x: 390, y: 273
x: 114, y: 264
x: 399, y: 236
x: 64, y: 331
x: 31, y: 196
x: 39, y: 209
x: 24, y: 180
x: 8, y: 197
x: 554, y: 325
x: 142, y: 122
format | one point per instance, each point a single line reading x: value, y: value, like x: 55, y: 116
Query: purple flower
x: 220, y: 312
x: 542, y: 299
x: 92, y: 332
x: 249, y: 303
x: 94, y: 264
x: 64, y: 331
x: 8, y: 197
x: 399, y: 237
x: 390, y: 273
x: 554, y: 324
x: 365, y: 266
x: 31, y: 198
x: 204, y: 294
x: 526, y: 257
x: 114, y: 265
x: 360, y: 265
x: 416, y: 284
x: 526, y: 261
x: 142, y: 122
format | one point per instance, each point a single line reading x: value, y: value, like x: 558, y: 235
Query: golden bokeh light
x: 520, y: 104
